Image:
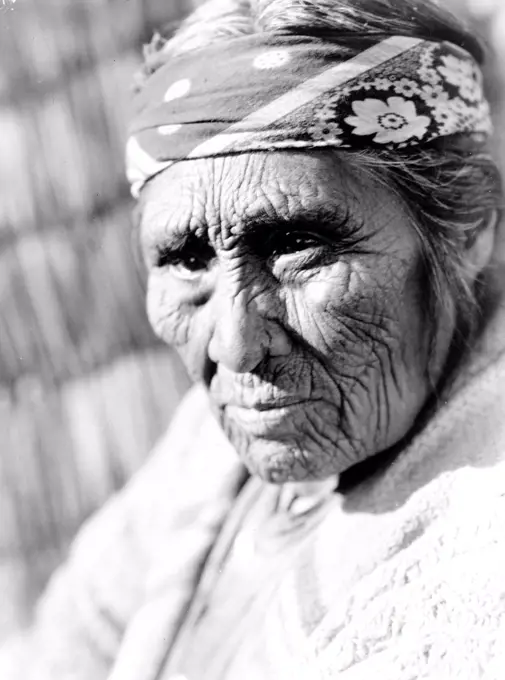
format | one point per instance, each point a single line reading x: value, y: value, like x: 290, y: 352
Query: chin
x: 279, y: 461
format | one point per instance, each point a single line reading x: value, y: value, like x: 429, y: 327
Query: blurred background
x: 85, y: 388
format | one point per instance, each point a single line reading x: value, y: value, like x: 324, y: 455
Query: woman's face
x: 291, y: 285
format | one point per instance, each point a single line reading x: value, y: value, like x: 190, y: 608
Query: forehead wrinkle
x: 237, y: 182
x: 174, y: 207
x: 329, y: 187
x: 206, y: 200
x: 259, y: 195
x: 222, y: 197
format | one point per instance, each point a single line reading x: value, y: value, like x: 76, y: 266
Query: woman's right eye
x: 185, y: 265
x: 188, y: 268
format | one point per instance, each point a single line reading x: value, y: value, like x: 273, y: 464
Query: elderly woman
x: 320, y: 220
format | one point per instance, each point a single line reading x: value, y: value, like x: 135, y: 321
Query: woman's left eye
x: 292, y: 242
x: 295, y: 250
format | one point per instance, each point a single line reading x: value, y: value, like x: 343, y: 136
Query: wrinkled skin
x: 290, y: 283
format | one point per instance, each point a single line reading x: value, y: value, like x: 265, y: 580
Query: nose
x: 242, y: 335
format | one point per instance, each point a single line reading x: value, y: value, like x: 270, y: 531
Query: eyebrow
x: 335, y: 223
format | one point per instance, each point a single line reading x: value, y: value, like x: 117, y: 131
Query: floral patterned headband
x: 267, y: 92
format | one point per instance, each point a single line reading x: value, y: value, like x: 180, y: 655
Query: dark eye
x: 291, y: 242
x: 192, y: 263
x: 186, y: 263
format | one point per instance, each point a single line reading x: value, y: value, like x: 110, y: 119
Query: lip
x: 265, y: 409
x: 262, y: 397
x: 252, y: 412
x: 265, y: 406
x: 263, y: 422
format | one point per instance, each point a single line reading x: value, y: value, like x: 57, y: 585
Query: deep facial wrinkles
x: 310, y: 368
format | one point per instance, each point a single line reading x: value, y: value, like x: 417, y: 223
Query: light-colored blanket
x: 401, y: 579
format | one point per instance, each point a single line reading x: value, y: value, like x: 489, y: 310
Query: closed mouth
x: 265, y: 413
x: 269, y: 406
x: 261, y: 406
x: 258, y: 421
x: 261, y: 397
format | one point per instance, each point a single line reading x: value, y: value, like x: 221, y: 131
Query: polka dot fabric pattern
x: 279, y: 92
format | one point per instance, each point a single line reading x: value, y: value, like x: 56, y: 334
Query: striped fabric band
x: 268, y: 92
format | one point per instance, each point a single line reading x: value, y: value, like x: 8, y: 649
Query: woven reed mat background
x: 85, y: 389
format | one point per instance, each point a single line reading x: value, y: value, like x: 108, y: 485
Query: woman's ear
x: 479, y: 249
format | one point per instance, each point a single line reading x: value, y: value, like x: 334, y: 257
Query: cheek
x: 364, y: 324
x: 165, y: 310
x: 363, y: 316
x: 177, y: 322
x: 337, y: 312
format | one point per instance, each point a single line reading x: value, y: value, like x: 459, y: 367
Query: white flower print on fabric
x: 456, y: 71
x: 433, y: 95
x: 430, y: 76
x: 394, y: 121
x: 448, y: 114
x: 458, y: 106
x: 427, y: 70
x: 427, y: 56
x: 456, y: 115
x: 272, y: 59
x: 465, y: 115
x: 445, y: 119
x: 381, y: 84
x: 327, y: 112
x: 421, y: 93
x: 327, y: 131
x: 406, y: 87
x: 177, y: 90
x: 471, y: 89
